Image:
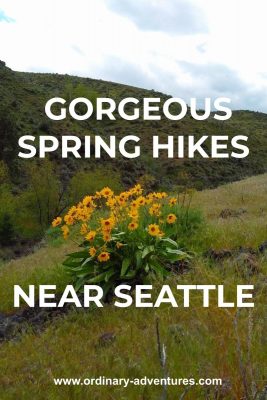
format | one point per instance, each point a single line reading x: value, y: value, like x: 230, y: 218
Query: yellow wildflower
x: 121, y: 200
x: 137, y: 190
x: 65, y: 231
x: 72, y: 211
x: 106, y: 236
x: 141, y: 201
x: 111, y: 202
x: 69, y: 220
x: 171, y: 218
x: 133, y: 214
x: 97, y: 195
x: 90, y: 236
x: 106, y: 192
x: 57, y: 221
x: 124, y: 195
x: 172, y: 201
x: 107, y: 224
x: 163, y: 195
x: 149, y: 199
x: 87, y: 201
x: 92, y: 251
x: 155, y: 209
x: 83, y: 230
x: 104, y: 256
x: 134, y: 204
x: 132, y: 226
x: 154, y: 230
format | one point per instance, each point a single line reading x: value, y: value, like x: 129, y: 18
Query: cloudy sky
x: 185, y: 48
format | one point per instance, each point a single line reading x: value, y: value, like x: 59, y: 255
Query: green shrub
x: 40, y: 201
x: 7, y: 231
x: 138, y: 257
x: 86, y: 182
x: 125, y: 237
x: 8, y: 137
x: 71, y: 92
x: 53, y: 237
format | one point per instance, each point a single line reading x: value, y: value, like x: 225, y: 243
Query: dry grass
x: 248, y: 229
x: 40, y: 268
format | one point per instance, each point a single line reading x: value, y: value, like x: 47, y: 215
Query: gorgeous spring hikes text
x: 131, y: 109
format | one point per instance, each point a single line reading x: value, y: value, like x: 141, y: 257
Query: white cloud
x: 176, y: 16
x: 91, y: 38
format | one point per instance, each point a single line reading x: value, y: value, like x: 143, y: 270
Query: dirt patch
x: 230, y: 213
x: 36, y: 319
x: 19, y: 248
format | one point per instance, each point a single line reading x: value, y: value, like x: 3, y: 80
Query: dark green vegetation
x: 32, y: 192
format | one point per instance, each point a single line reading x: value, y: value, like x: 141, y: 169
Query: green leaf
x: 174, y: 257
x: 125, y: 265
x: 117, y: 235
x: 106, y: 288
x: 98, y: 278
x: 170, y: 241
x: 87, y: 260
x: 176, y: 251
x: 81, y: 269
x: 84, y: 274
x: 138, y: 257
x: 147, y: 250
x: 80, y: 282
x: 157, y: 267
x: 130, y: 275
x: 78, y: 254
x: 109, y: 274
x: 71, y: 263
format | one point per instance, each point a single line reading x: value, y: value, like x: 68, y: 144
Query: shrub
x: 4, y: 174
x: 8, y: 137
x: 7, y: 213
x: 53, y: 237
x: 41, y: 200
x: 84, y: 182
x: 71, y: 92
x: 45, y: 126
x: 7, y: 231
x: 125, y: 237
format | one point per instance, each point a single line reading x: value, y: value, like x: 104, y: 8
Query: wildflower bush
x: 124, y: 237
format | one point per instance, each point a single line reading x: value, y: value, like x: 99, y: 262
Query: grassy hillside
x: 33, y: 192
x: 199, y: 342
x: 23, y: 96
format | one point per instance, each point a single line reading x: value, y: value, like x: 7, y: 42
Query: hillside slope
x: 23, y: 96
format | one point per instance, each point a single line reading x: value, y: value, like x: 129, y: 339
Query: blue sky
x: 185, y: 48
